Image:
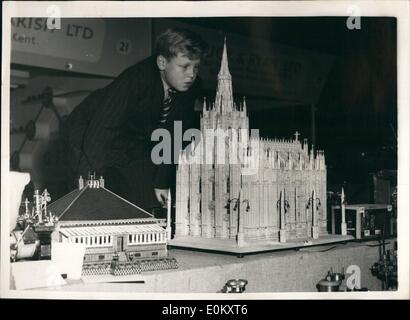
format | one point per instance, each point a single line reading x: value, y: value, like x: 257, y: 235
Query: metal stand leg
x: 358, y: 224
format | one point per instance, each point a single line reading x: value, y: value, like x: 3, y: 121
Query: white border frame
x: 398, y: 9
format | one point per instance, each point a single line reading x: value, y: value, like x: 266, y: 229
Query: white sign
x: 78, y: 39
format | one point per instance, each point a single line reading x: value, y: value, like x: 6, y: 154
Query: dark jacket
x: 110, y: 131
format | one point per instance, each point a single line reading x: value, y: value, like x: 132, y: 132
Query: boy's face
x: 178, y: 72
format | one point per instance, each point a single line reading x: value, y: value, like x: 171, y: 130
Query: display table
x: 297, y: 270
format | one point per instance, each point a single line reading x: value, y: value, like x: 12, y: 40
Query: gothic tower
x: 219, y: 197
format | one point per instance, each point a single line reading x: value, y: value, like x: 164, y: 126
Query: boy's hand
x: 162, y: 196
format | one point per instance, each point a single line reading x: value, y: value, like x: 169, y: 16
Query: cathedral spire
x: 244, y: 105
x: 224, y: 96
x: 204, y: 108
x: 224, y: 70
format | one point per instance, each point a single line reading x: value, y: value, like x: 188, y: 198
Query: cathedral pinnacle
x: 244, y: 104
x: 224, y: 95
x: 224, y: 70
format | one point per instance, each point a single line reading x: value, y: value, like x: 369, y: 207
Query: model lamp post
x: 168, y: 228
x: 314, y: 204
x: 343, y: 209
x: 240, y: 237
x: 283, y: 206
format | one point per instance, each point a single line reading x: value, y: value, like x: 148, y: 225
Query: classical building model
x: 275, y: 193
x: 120, y: 237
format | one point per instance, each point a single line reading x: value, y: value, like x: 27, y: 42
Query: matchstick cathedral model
x: 275, y: 193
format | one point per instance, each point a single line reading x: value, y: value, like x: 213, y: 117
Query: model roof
x: 89, y: 204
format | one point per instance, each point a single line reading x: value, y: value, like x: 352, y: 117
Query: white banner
x: 87, y: 45
x: 35, y: 35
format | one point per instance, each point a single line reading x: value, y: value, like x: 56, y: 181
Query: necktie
x: 167, y: 105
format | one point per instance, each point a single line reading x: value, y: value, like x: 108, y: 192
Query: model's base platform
x: 252, y: 246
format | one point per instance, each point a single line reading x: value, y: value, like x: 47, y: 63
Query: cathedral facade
x: 235, y: 185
